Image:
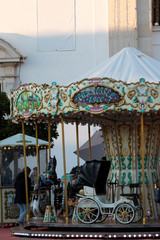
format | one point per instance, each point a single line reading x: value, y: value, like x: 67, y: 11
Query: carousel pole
x: 89, y: 141
x: 37, y: 150
x: 25, y: 166
x: 49, y: 139
x: 64, y: 166
x: 143, y: 178
x: 77, y: 138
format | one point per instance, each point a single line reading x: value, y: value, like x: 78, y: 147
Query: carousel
x: 122, y: 97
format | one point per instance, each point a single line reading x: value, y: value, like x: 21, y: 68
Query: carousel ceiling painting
x: 115, y: 95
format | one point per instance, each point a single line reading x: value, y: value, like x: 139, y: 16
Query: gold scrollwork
x: 154, y: 93
x: 47, y: 97
x: 120, y: 103
x: 63, y: 96
x: 125, y: 139
x: 131, y: 94
x: 147, y: 133
x: 73, y: 105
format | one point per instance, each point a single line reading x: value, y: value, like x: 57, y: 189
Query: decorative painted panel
x: 124, y: 133
x: 147, y: 139
x: 27, y: 102
x: 10, y: 209
x: 32, y: 99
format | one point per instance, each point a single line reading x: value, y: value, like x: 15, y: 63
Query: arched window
x: 156, y: 12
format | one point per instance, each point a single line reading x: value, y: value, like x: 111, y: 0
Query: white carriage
x: 93, y: 206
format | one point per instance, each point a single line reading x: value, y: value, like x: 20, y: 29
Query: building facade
x: 46, y: 41
x: 136, y: 24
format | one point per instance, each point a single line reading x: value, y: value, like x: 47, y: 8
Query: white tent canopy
x: 17, y: 140
x: 97, y: 148
x: 128, y: 65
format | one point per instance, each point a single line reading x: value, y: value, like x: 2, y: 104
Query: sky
x: 70, y: 146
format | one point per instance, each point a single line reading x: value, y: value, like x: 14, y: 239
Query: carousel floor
x: 107, y: 230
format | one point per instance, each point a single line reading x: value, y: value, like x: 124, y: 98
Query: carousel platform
x: 107, y: 230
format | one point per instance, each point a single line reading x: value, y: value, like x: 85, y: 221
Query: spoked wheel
x: 138, y: 213
x: 101, y: 218
x: 87, y: 210
x: 124, y: 213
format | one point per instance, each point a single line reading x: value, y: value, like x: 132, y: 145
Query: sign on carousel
x: 98, y: 94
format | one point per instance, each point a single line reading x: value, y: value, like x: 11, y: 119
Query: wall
x: 25, y: 27
x: 156, y: 42
x: 130, y: 25
x: 144, y: 26
x: 122, y: 18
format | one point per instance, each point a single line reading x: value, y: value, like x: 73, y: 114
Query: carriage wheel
x: 87, y: 210
x: 138, y: 213
x: 101, y: 218
x: 124, y: 213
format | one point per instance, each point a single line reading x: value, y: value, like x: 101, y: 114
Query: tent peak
x: 128, y: 65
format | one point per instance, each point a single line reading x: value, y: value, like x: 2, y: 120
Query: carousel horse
x: 50, y: 190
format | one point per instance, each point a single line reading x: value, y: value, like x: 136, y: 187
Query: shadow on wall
x: 44, y: 64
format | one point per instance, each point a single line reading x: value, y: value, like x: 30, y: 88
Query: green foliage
x: 4, y: 105
x: 4, y: 112
x: 8, y: 128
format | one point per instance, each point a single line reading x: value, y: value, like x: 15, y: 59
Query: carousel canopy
x: 17, y: 141
x: 128, y: 65
x: 128, y: 83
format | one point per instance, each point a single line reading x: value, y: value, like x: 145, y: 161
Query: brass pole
x: 49, y: 138
x: 26, y: 175
x: 37, y: 150
x: 64, y: 166
x: 143, y: 179
x: 77, y: 138
x: 89, y: 141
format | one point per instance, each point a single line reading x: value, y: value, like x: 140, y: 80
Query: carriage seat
x: 133, y: 196
x: 89, y: 191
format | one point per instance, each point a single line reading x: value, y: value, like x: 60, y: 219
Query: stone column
x: 122, y: 21
x: 144, y: 26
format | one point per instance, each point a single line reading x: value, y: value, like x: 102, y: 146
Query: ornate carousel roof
x: 96, y: 94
